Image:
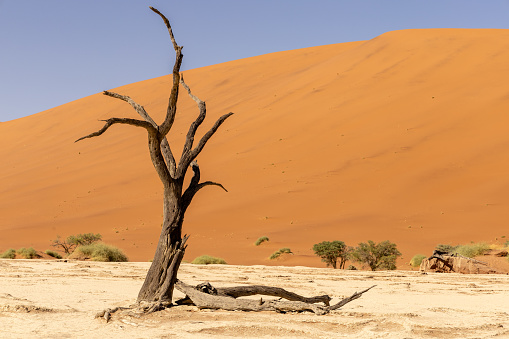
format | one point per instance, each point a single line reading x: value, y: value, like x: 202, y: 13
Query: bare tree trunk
x: 161, y: 277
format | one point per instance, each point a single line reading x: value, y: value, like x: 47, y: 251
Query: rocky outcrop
x: 450, y: 263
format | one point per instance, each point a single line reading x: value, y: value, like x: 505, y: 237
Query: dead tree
x: 157, y: 290
x: 162, y: 274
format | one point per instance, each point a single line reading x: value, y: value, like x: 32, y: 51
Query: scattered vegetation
x: 53, y: 254
x: 73, y: 241
x: 98, y: 252
x: 417, y: 260
x: 472, y: 250
x: 207, y: 260
x: 278, y: 253
x: 351, y: 268
x: 468, y: 250
x: 9, y: 254
x: 27, y: 253
x: 261, y: 240
x: 331, y: 252
x: 445, y: 248
x: 377, y: 256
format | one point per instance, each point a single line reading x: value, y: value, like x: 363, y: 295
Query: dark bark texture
x: 161, y: 277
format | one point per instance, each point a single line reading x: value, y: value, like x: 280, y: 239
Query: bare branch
x: 167, y: 23
x: 112, y: 121
x: 172, y: 102
x: 195, y: 186
x: 194, y: 126
x: 345, y: 301
x: 186, y: 87
x: 137, y: 107
x: 186, y: 159
x: 248, y: 290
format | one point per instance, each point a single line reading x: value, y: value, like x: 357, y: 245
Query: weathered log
x: 206, y: 296
x: 243, y: 291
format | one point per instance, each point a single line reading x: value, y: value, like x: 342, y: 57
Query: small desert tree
x: 73, y: 241
x: 377, y: 256
x: 331, y: 252
x: 162, y: 275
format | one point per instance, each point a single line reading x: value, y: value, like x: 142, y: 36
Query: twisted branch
x: 112, y: 121
x: 172, y: 102
x: 195, y: 186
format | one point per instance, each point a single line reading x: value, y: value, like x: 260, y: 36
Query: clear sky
x: 56, y: 51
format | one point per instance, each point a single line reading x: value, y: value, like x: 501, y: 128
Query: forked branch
x: 195, y: 186
x: 165, y: 146
x: 137, y: 107
x: 187, y: 158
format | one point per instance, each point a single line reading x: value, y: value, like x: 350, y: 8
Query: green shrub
x: 445, y: 248
x: 283, y: 250
x: 27, y: 253
x: 377, y: 256
x: 9, y: 254
x: 472, y: 250
x: 98, y: 252
x: 73, y: 241
x: 261, y: 240
x: 417, y: 260
x: 352, y: 268
x: 207, y: 260
x: 330, y: 252
x: 53, y: 254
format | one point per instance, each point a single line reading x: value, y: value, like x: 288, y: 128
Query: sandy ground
x: 401, y: 138
x: 56, y: 299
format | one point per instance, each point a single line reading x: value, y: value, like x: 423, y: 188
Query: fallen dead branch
x: 206, y: 296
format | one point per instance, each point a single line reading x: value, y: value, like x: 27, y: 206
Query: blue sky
x: 56, y: 51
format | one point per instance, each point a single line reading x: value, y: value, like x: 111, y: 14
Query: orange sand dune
x: 403, y: 137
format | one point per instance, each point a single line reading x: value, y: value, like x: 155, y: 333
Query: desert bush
x: 27, y: 253
x: 73, y: 241
x: 417, y: 260
x: 377, y: 256
x: 351, y: 268
x: 98, y: 252
x: 261, y: 240
x: 278, y: 253
x: 472, y: 250
x: 9, y: 254
x: 445, y: 248
x: 330, y: 252
x: 53, y: 254
x: 207, y: 260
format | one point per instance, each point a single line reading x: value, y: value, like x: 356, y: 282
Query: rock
x: 501, y: 254
x: 455, y: 264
